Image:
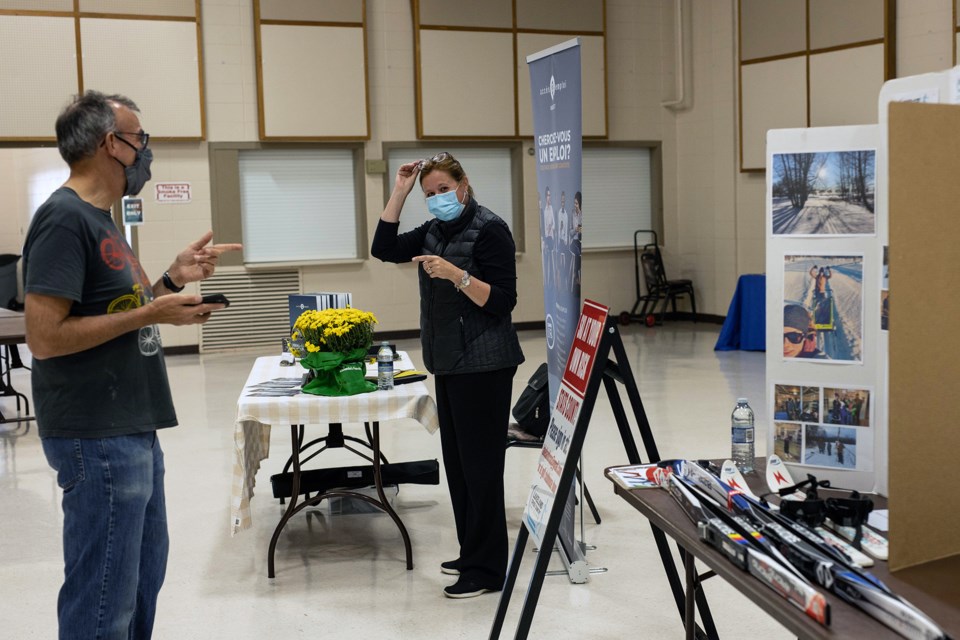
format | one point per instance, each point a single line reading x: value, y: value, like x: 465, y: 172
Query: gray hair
x: 85, y: 121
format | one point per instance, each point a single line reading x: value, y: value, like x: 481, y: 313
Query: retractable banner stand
x: 555, y: 95
x: 558, y: 142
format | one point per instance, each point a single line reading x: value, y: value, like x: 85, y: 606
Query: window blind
x: 298, y: 204
x: 617, y: 195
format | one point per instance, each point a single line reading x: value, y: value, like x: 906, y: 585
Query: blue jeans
x: 114, y: 534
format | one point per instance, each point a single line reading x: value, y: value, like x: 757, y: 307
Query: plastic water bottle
x: 385, y: 366
x: 741, y: 435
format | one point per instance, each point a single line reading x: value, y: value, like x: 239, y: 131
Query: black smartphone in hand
x: 216, y: 298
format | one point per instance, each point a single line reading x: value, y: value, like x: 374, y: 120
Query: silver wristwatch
x: 464, y: 280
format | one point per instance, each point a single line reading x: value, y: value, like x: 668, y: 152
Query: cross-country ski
x: 730, y: 474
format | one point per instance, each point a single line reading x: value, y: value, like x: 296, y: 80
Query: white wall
x: 713, y: 215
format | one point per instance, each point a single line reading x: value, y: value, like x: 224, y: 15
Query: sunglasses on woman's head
x: 796, y: 337
x: 440, y: 157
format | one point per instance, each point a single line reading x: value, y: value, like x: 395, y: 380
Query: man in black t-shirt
x: 99, y: 380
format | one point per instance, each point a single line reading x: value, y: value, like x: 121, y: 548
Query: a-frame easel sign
x: 596, y: 335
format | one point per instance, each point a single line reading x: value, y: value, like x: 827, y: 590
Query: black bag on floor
x: 532, y: 410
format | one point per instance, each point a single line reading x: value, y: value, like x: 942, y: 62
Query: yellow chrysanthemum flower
x: 335, y: 330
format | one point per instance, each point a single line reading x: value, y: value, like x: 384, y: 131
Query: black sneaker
x: 466, y: 589
x: 450, y: 567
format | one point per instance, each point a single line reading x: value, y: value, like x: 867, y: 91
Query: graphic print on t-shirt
x: 117, y: 255
x: 114, y: 251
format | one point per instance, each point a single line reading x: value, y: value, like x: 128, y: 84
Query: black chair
x: 660, y: 288
x: 517, y: 437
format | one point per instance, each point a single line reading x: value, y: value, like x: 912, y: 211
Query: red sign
x: 173, y: 192
x: 583, y: 351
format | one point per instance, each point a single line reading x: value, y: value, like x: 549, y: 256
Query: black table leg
x: 296, y: 439
x: 378, y: 481
x: 689, y: 613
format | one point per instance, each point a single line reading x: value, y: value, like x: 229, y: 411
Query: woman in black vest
x: 468, y: 288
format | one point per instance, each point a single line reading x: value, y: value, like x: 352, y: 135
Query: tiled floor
x: 343, y: 576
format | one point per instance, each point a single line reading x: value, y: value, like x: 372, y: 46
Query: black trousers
x: 474, y: 411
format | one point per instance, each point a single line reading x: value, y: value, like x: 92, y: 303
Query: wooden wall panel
x: 846, y: 51
x: 497, y: 14
x: 475, y: 96
x: 772, y: 28
x: 37, y: 5
x: 844, y: 86
x: 38, y: 74
x: 763, y: 109
x: 169, y: 8
x: 530, y: 26
x: 154, y: 57
x: 312, y: 10
x: 835, y: 23
x: 162, y: 78
x: 572, y: 16
x: 321, y: 103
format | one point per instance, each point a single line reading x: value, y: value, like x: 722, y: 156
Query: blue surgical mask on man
x: 445, y: 206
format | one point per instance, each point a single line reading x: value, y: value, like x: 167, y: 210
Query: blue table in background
x: 746, y: 318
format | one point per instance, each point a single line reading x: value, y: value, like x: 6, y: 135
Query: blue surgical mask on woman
x: 445, y: 206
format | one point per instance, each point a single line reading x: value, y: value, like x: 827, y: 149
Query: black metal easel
x: 610, y: 373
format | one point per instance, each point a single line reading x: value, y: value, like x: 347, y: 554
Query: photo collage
x: 817, y: 197
x: 820, y: 426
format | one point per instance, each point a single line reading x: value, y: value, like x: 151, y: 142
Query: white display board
x: 823, y: 295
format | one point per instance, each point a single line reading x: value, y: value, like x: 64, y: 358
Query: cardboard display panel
x: 924, y: 148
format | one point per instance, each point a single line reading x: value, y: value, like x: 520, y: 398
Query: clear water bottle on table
x: 385, y: 366
x: 742, y: 435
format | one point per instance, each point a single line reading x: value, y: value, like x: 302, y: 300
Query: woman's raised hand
x: 407, y: 176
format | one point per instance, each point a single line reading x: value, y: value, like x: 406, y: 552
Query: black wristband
x: 168, y: 283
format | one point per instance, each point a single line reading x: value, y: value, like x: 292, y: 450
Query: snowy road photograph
x: 826, y: 294
x: 828, y: 193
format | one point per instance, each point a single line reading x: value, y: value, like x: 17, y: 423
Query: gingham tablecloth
x: 255, y: 415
